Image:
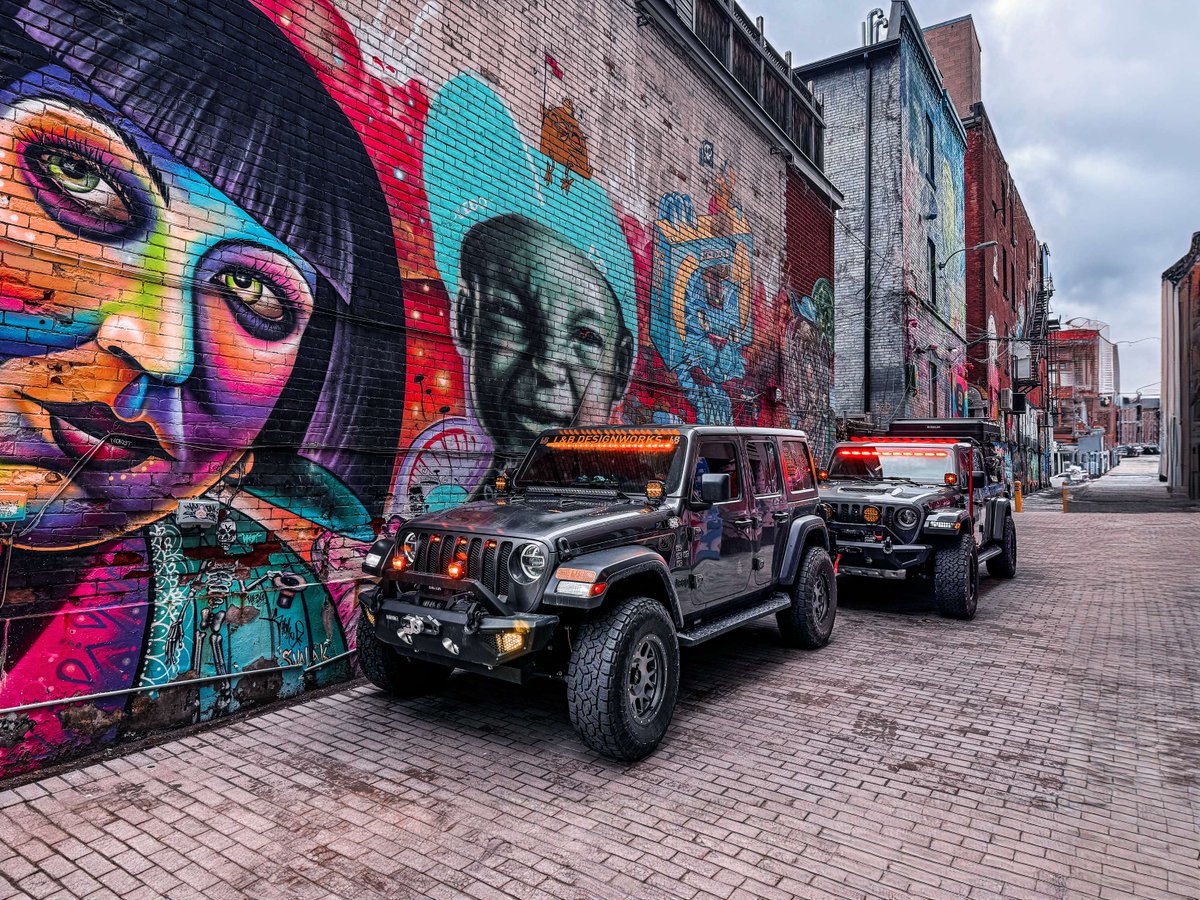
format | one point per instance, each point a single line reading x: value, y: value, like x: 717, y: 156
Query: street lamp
x: 983, y: 246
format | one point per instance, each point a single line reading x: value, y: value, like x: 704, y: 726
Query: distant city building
x: 1007, y: 278
x: 1179, y: 465
x: 1138, y: 424
x: 894, y: 145
x: 1084, y: 377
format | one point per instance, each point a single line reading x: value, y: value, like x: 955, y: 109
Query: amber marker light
x: 822, y: 474
x: 456, y: 569
x: 655, y: 490
x: 501, y: 484
x: 871, y: 514
x: 951, y: 478
x: 399, y: 563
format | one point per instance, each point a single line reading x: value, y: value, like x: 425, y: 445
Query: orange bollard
x: 1017, y: 496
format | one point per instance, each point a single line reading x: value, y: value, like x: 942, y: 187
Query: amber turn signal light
x: 456, y: 570
x: 822, y: 474
x: 951, y: 478
x: 399, y: 563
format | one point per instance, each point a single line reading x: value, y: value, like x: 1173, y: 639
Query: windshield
x: 611, y: 460
x: 926, y: 465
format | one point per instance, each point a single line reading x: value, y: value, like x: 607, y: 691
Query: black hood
x: 885, y: 492
x: 548, y: 518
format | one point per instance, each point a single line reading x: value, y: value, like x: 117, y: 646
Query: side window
x: 718, y: 458
x: 764, y: 468
x: 797, y: 467
x: 977, y: 462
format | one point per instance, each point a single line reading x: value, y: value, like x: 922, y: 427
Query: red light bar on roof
x: 875, y: 452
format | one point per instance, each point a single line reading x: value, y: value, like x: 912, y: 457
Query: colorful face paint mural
x: 163, y: 272
x: 310, y: 340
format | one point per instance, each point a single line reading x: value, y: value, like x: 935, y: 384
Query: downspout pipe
x: 866, y: 368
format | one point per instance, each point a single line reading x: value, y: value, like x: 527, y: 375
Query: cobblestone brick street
x: 1050, y: 748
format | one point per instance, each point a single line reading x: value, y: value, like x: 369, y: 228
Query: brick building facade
x: 1180, y: 429
x: 894, y: 145
x: 1006, y: 282
x: 298, y: 269
x: 1085, y: 381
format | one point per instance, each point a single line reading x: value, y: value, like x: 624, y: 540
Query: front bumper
x: 879, y: 559
x: 462, y: 635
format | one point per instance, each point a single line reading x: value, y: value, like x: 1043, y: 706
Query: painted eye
x: 246, y: 287
x: 79, y: 192
x: 77, y: 175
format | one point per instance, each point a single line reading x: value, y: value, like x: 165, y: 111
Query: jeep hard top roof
x: 980, y: 430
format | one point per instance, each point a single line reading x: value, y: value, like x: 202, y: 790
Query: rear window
x: 764, y: 470
x: 797, y: 467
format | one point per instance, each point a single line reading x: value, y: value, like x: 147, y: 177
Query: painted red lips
x: 93, y: 431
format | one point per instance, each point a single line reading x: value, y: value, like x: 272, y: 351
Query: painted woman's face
x: 147, y: 323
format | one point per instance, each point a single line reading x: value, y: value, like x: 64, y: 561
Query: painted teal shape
x: 477, y: 167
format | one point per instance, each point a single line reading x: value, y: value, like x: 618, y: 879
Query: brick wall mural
x: 276, y: 275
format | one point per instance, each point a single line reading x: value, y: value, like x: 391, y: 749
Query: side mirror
x: 979, y: 477
x: 714, y: 489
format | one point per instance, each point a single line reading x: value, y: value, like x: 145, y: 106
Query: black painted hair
x: 227, y: 94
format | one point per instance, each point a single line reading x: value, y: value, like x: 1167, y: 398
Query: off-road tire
x: 599, y: 679
x: 391, y: 671
x: 1005, y: 565
x: 956, y: 578
x: 808, y: 622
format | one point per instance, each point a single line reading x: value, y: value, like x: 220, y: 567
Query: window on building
x: 1004, y: 268
x: 933, y: 273
x: 929, y: 146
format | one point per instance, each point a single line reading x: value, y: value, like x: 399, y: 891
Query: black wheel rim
x: 646, y: 678
x: 820, y: 600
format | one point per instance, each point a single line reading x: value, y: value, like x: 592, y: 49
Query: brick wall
x: 304, y: 270
x: 955, y: 46
x: 915, y: 345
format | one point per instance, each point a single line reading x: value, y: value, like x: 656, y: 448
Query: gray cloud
x: 1094, y: 104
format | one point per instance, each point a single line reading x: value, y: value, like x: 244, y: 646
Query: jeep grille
x: 487, y: 558
x: 853, y: 512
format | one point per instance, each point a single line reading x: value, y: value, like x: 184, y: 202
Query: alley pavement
x: 1050, y: 748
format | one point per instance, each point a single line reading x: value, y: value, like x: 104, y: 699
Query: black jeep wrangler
x: 927, y: 501
x: 608, y: 550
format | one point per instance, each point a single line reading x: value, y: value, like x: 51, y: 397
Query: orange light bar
x: 456, y: 569
x: 651, y: 446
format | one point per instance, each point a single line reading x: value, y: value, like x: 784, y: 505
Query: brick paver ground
x: 1050, y: 748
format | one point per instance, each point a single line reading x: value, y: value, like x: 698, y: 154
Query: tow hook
x: 887, y: 546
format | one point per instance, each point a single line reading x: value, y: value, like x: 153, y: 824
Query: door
x: 723, y: 536
x: 980, y: 498
x: 768, y: 508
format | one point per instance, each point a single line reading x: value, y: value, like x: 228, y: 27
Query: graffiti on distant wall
x: 313, y: 338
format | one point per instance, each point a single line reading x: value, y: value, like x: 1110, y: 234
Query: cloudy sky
x: 1095, y: 107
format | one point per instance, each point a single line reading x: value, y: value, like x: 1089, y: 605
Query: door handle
x: 743, y: 522
x: 781, y: 516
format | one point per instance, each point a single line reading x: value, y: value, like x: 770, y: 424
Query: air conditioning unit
x: 1006, y: 400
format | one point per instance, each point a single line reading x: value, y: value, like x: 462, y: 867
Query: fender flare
x: 1002, y: 510
x: 798, y: 537
x: 611, y: 567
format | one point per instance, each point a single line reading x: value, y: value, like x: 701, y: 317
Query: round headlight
x: 907, y: 517
x: 408, y: 547
x: 532, y: 560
